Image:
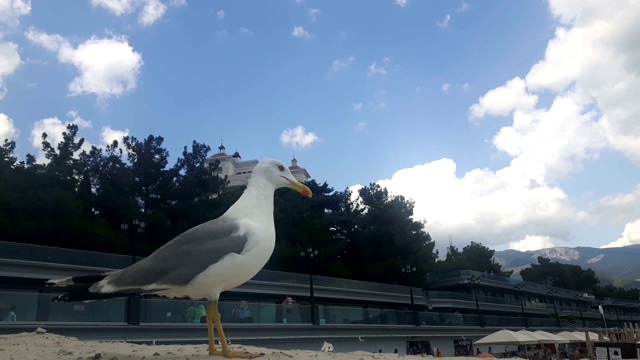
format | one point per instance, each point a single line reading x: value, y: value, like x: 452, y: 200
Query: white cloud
x: 357, y: 106
x: 401, y: 3
x: 590, y: 74
x: 8, y: 129
x: 465, y: 86
x: 445, y: 87
x: 9, y: 62
x: 498, y: 207
x: 152, y: 10
x: 246, y: 31
x: 445, y: 21
x: 505, y: 99
x: 107, y: 67
x: 298, y: 137
x: 630, y: 235
x: 532, y: 242
x: 465, y: 6
x: 12, y: 10
x: 615, y: 209
x: 149, y: 11
x: 300, y: 32
x: 373, y: 70
x: 342, y: 64
x: 220, y: 14
x: 54, y: 128
x: 108, y: 135
x: 361, y: 125
x: 116, y: 7
x: 313, y: 14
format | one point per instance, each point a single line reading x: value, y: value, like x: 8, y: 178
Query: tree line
x: 78, y: 198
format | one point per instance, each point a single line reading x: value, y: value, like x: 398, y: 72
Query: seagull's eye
x: 281, y: 168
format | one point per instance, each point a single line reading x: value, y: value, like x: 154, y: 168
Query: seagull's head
x: 278, y: 174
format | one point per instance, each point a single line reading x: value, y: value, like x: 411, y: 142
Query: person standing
x: 289, y: 305
x: 192, y: 313
x: 245, y: 312
x: 11, y: 316
x: 201, y: 314
x: 616, y: 356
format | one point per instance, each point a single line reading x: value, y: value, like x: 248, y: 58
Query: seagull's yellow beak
x: 299, y: 187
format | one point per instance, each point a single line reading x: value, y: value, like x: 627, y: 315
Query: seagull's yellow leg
x: 226, y: 351
x: 212, y: 308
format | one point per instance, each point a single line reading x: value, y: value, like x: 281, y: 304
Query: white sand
x: 32, y: 346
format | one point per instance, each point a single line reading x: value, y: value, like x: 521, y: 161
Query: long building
x: 238, y: 171
x: 456, y: 308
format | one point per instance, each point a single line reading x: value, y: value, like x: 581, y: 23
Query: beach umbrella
x: 506, y: 337
x: 547, y: 337
x: 569, y: 336
x: 581, y: 335
x: 543, y: 336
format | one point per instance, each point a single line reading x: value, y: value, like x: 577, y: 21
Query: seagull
x: 205, y: 260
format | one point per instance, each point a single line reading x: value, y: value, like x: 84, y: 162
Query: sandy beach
x: 35, y: 346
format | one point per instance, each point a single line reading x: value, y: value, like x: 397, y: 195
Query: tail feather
x: 83, y: 294
x: 77, y: 281
x: 79, y: 288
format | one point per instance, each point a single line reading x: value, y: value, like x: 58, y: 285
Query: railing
x: 37, y: 307
x: 32, y: 306
x: 47, y: 254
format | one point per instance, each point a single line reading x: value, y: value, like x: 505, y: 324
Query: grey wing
x: 177, y: 262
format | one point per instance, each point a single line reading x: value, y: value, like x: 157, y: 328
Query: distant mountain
x: 620, y: 266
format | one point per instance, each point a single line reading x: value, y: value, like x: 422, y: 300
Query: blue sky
x: 511, y: 124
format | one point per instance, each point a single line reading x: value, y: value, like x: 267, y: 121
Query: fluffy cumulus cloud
x: 109, y: 135
x: 12, y: 10
x: 10, y: 13
x: 590, y: 78
x: 590, y: 69
x: 149, y: 11
x: 298, y: 137
x: 504, y: 100
x: 483, y: 205
x: 9, y: 62
x: 8, y: 129
x: 300, y: 32
x: 54, y: 128
x: 630, y: 235
x: 107, y: 67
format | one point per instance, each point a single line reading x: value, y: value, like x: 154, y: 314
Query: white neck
x: 258, y: 195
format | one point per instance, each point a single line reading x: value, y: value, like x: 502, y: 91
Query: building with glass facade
x: 454, y: 310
